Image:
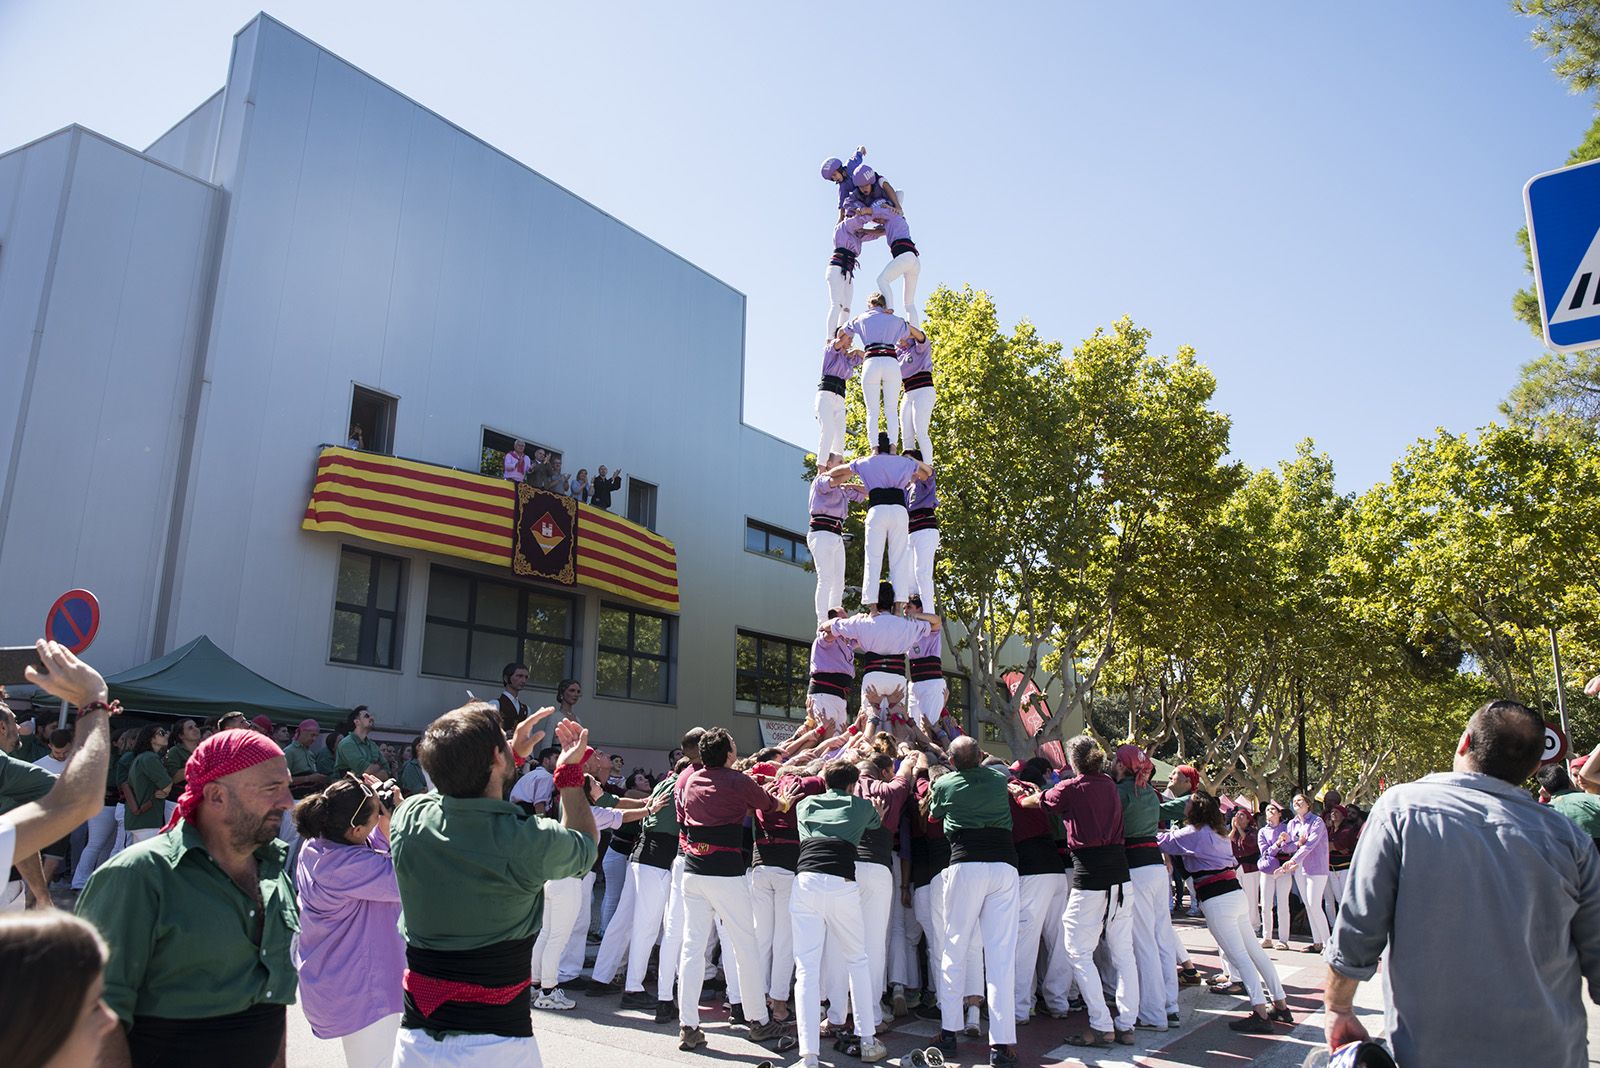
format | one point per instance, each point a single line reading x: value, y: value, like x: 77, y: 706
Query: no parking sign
x: 1555, y: 744
x: 73, y: 620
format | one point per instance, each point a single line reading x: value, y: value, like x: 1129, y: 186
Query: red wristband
x: 570, y: 776
x: 851, y: 730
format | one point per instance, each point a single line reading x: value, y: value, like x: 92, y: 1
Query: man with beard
x: 200, y: 919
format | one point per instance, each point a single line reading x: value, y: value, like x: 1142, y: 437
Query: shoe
x: 554, y: 999
x: 579, y: 983
x: 1076, y: 1005
x: 1315, y: 947
x: 873, y: 1050
x: 1124, y: 1038
x: 1280, y: 1015
x: 897, y: 1001
x: 1142, y: 1026
x: 1174, y: 1020
x: 714, y: 985
x: 914, y: 998
x: 1266, y: 943
x: 690, y: 1038
x: 1281, y: 944
x: 1058, y: 1014
x: 1194, y: 911
x: 928, y: 1011
x: 601, y: 990
x: 642, y: 1000
x: 1227, y: 988
x: 666, y: 1011
x: 766, y: 1030
x: 946, y: 1044
x: 1002, y: 1057
x: 736, y: 1014
x: 1251, y: 1024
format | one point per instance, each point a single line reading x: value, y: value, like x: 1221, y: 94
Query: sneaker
x: 873, y: 1050
x: 639, y: 999
x: 1266, y: 943
x: 690, y: 1038
x: 897, y: 1001
x: 1282, y: 1015
x: 1174, y: 1020
x: 554, y: 999
x: 946, y: 1044
x: 766, y: 1030
x: 601, y: 990
x: 1076, y: 1005
x: 666, y: 1011
x: 1281, y: 944
x: 736, y: 1014
x: 1251, y: 1024
x: 1002, y: 1057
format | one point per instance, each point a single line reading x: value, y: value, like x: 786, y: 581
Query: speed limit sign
x: 1555, y: 744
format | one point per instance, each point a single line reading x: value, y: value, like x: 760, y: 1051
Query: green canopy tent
x: 201, y: 681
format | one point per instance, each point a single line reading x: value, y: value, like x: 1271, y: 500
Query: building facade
x: 186, y: 327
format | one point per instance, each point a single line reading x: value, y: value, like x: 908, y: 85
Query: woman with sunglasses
x: 350, y: 955
x: 147, y: 786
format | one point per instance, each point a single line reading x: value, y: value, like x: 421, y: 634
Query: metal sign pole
x: 1561, y: 689
x: 61, y: 719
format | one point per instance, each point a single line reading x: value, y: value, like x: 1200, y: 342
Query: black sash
x: 831, y: 384
x: 828, y: 856
x: 724, y: 850
x: 836, y: 683
x: 920, y: 380
x: 921, y: 519
x: 929, y: 857
x: 902, y: 245
x: 499, y: 965
x: 1099, y: 867
x: 926, y: 669
x: 248, y: 1039
x: 977, y: 845
x: 780, y: 849
x: 882, y: 348
x: 885, y: 662
x: 886, y: 495
x: 1210, y: 884
x: 655, y: 849
x: 877, y: 847
x: 830, y: 524
x: 1039, y: 856
x: 1142, y: 851
x: 845, y: 260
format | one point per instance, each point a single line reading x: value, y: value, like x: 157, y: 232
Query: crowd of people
x: 541, y: 469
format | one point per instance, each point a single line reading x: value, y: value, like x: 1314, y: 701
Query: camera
x: 387, y: 793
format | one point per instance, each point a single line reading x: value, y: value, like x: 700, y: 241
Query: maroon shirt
x: 893, y: 793
x: 772, y: 821
x: 718, y: 797
x: 1029, y: 823
x: 1090, y: 808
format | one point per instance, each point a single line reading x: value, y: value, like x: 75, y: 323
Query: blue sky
x: 1321, y: 199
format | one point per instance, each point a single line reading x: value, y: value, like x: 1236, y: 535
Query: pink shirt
x: 516, y: 469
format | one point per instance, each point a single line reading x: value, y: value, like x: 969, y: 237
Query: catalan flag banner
x: 474, y: 517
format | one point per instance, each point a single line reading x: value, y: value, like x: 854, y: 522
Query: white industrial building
x: 183, y: 328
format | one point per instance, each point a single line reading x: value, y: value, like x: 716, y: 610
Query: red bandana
x: 219, y: 756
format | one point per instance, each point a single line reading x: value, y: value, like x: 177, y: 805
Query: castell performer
x: 839, y: 362
x: 879, y: 330
x: 847, y: 240
x: 903, y: 259
x: 886, y: 639
x: 471, y: 870
x: 833, y: 672
x: 922, y: 531
x: 826, y: 907
x: 928, y: 686
x: 883, y: 673
x: 870, y: 188
x: 829, y: 507
x: 843, y: 173
x: 916, y: 392
x: 885, y: 477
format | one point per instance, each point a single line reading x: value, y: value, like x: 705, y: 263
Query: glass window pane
x: 490, y: 653
x: 497, y: 607
x: 613, y: 628
x: 649, y: 680
x: 611, y: 675
x: 388, y: 584
x: 383, y: 655
x: 755, y: 539
x: 444, y: 650
x: 649, y: 634
x: 346, y: 643
x: 447, y: 596
x: 774, y: 695
x: 355, y: 571
x: 802, y: 553
x: 549, y: 616
x: 745, y: 652
x: 746, y: 692
x: 547, y: 663
x: 797, y: 700
x: 774, y: 657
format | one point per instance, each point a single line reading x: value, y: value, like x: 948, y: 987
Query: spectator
x: 263, y: 725
x: 543, y: 472
x: 513, y: 709
x: 1582, y: 809
x: 350, y: 955
x: 600, y: 495
x: 616, y: 780
x: 412, y: 781
x: 51, y: 973
x: 515, y: 466
x: 147, y: 786
x: 391, y: 756
x: 233, y: 721
x: 55, y: 856
x: 326, y: 755
x: 305, y: 778
x: 180, y: 746
x: 357, y: 439
x: 1309, y: 864
x: 559, y: 483
x: 191, y: 977
x: 533, y: 791
x: 282, y: 735
x: 1342, y: 835
x: 358, y: 753
x: 1463, y: 875
x: 581, y: 487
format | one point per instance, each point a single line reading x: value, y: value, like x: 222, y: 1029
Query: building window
x: 372, y: 417
x: 641, y: 503
x: 776, y: 542
x: 771, y: 675
x: 495, y: 445
x: 476, y: 626
x: 366, y: 610
x: 636, y: 654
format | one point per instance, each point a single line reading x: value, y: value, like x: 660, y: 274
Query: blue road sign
x: 1564, y: 229
x: 73, y: 620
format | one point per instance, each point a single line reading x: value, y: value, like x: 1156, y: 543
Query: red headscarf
x: 1189, y: 773
x: 217, y: 757
x: 1135, y: 760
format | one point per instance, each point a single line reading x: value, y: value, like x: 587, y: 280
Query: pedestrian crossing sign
x: 1563, y: 209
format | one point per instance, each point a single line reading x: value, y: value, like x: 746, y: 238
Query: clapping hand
x: 573, y: 738
x: 524, y: 738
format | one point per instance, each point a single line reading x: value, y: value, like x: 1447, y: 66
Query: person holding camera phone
x: 350, y: 955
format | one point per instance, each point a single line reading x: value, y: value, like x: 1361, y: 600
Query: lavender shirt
x: 895, y: 227
x: 928, y: 646
x: 1202, y: 848
x: 924, y: 494
x: 884, y: 634
x: 1311, y: 835
x: 828, y: 499
x: 843, y: 364
x: 884, y: 470
x: 848, y: 236
x: 847, y: 188
x: 349, y: 951
x: 836, y: 656
x: 1266, y: 841
x: 916, y: 358
x: 877, y: 327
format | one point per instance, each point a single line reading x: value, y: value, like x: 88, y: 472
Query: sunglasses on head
x: 366, y: 791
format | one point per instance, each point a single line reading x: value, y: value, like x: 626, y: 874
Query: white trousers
x: 720, y: 902
x: 1057, y: 984
x: 980, y: 907
x: 672, y: 929
x: 119, y: 840
x: 875, y: 886
x: 1275, y: 894
x: 927, y: 700
x: 885, y: 682
x: 1091, y: 914
x: 652, y: 894
x: 1156, y: 973
x: 578, y: 940
x: 561, y: 903
x: 102, y: 828
x: 1035, y: 896
x: 903, y: 934
x: 841, y: 289
x: 1333, y: 896
x: 827, y: 556
x: 916, y: 416
x: 615, y: 869
x: 924, y: 547
x: 1250, y: 881
x: 618, y: 937
x: 1229, y: 922
x: 907, y: 266
x: 827, y: 907
x: 373, y: 1045
x: 880, y: 385
x: 928, y: 901
x: 830, y: 424
x: 831, y: 707
x: 418, y: 1049
x: 771, y: 888
x: 1311, y: 889
x: 887, y: 533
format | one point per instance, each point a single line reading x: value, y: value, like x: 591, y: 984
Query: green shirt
x: 301, y: 762
x: 356, y: 754
x: 412, y: 780
x: 472, y: 869
x: 836, y: 814
x: 1141, y: 809
x: 1171, y: 810
x: 174, y: 760
x: 21, y: 782
x: 124, y: 762
x: 665, y: 821
x: 145, y: 777
x: 183, y: 935
x: 973, y: 798
x: 324, y: 759
x: 1581, y: 808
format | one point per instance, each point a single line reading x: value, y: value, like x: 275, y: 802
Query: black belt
x: 503, y: 964
x: 845, y: 260
x: 828, y: 524
x: 837, y: 683
x: 1099, y: 867
x: 1210, y: 884
x: 902, y: 245
x: 827, y: 856
x: 886, y: 495
x: 976, y: 845
x: 1142, y: 851
x: 877, y: 847
x: 928, y: 858
x: 780, y: 849
x: 882, y: 348
x: 1039, y: 856
x: 926, y: 669
x: 717, y: 850
x: 248, y: 1039
x: 922, y: 519
x: 831, y: 384
x: 656, y: 849
x: 893, y: 665
x: 920, y: 380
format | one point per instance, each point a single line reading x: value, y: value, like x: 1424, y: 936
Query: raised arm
x: 79, y: 793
